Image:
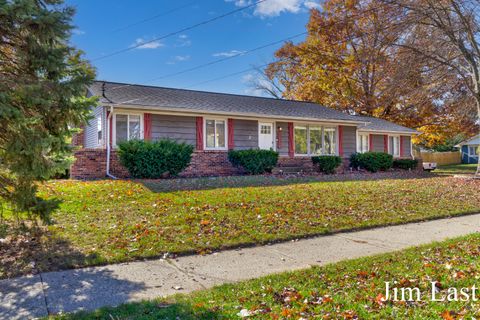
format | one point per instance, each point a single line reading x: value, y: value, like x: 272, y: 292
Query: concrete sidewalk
x: 91, y: 288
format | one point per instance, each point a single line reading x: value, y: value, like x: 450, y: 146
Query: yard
x: 347, y: 290
x: 457, y: 169
x: 107, y: 221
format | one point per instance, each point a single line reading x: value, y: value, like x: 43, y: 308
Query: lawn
x: 457, y: 169
x: 101, y: 222
x: 352, y: 289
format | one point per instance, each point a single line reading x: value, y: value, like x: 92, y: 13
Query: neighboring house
x: 215, y: 123
x: 469, y: 150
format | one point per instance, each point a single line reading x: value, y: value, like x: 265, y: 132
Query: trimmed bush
x: 327, y: 164
x: 355, y: 160
x: 405, y: 164
x: 375, y: 161
x: 254, y: 161
x: 154, y: 159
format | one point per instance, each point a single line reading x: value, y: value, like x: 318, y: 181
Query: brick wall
x: 78, y: 139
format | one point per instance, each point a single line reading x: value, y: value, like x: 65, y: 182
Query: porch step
x: 291, y: 169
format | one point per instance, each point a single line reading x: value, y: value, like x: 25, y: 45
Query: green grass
x: 101, y: 222
x: 347, y: 290
x: 457, y: 169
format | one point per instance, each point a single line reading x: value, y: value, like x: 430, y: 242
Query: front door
x: 265, y: 135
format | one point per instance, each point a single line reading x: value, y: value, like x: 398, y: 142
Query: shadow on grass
x: 209, y: 183
x: 149, y: 310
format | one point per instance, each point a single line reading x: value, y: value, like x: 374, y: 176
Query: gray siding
x: 349, y: 140
x: 245, y: 134
x: 378, y: 143
x: 283, y: 150
x: 407, y: 141
x: 91, y: 128
x: 177, y: 128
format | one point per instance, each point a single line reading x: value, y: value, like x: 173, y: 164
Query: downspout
x: 109, y: 143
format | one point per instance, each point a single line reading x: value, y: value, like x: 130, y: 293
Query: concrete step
x: 287, y: 170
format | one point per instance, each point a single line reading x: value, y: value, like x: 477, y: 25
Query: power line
x: 168, y: 35
x: 154, y: 17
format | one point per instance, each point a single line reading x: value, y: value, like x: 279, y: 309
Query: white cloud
x: 228, y: 54
x: 78, y: 32
x: 183, y: 41
x: 272, y: 8
x: 179, y: 59
x: 141, y: 43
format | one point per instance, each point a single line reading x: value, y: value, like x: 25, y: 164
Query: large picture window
x: 362, y: 145
x: 315, y: 140
x: 394, y: 146
x: 127, y: 127
x: 215, y: 132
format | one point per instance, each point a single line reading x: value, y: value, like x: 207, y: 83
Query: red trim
x: 385, y: 143
x: 110, y: 127
x: 370, y: 142
x: 401, y: 147
x: 147, y: 126
x: 231, y: 142
x: 199, y: 121
x: 340, y: 141
x: 291, y: 143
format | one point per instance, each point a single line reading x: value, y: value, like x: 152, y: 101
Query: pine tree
x: 43, y: 83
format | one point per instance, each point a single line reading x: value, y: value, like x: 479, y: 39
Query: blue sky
x: 106, y: 26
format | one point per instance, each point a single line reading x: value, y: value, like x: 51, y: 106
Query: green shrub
x: 254, y: 161
x: 154, y: 159
x: 405, y: 164
x: 355, y: 160
x: 375, y: 161
x: 327, y: 164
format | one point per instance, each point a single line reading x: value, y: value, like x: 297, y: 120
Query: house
x: 469, y: 149
x: 215, y: 123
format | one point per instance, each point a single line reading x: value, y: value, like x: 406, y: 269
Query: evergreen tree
x: 43, y: 83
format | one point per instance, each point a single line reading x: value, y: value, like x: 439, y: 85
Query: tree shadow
x: 209, y: 183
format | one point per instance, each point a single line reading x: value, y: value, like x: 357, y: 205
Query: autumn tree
x: 42, y: 98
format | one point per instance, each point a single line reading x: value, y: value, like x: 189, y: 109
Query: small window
x: 363, y: 143
x: 127, y: 127
x: 265, y: 129
x: 394, y: 146
x: 99, y: 131
x: 473, y: 150
x: 215, y: 131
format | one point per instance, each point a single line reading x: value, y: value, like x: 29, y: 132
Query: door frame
x: 272, y: 126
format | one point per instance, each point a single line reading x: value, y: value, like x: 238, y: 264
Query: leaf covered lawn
x: 346, y: 290
x: 113, y: 221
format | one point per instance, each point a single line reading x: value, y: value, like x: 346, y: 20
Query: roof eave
x: 390, y: 131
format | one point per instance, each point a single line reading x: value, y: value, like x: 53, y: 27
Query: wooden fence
x: 441, y: 158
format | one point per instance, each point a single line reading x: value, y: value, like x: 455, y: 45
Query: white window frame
x: 215, y: 134
x: 470, y: 148
x: 128, y: 114
x: 323, y: 126
x: 359, y: 134
x: 100, y: 130
x: 399, y: 145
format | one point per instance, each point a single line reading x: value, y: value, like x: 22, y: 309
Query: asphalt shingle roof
x: 221, y: 103
x: 377, y: 124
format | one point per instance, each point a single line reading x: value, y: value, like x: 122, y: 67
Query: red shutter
x: 199, y: 133
x: 385, y: 143
x: 340, y: 141
x: 231, y: 143
x: 291, y: 142
x: 147, y: 126
x: 401, y: 147
x: 370, y: 142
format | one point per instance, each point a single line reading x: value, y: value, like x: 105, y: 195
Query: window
x: 99, y: 131
x: 215, y: 131
x: 265, y: 129
x: 394, y: 146
x: 473, y: 150
x: 362, y: 145
x: 127, y: 127
x: 315, y: 140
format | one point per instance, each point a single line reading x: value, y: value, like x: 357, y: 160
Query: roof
x: 471, y: 142
x: 182, y: 100
x: 381, y: 125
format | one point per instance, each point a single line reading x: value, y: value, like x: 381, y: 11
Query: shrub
x: 154, y: 159
x: 355, y: 160
x: 254, y: 161
x: 375, y: 161
x: 405, y: 164
x: 327, y: 164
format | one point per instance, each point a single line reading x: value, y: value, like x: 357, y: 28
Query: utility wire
x: 168, y: 35
x: 154, y: 17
